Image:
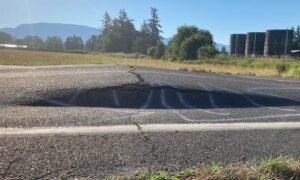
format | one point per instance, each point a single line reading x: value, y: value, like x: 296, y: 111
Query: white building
x: 12, y: 46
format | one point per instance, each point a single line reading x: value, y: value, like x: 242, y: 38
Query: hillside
x: 49, y: 29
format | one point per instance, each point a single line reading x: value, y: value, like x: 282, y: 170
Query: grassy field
x: 280, y: 168
x: 254, y: 67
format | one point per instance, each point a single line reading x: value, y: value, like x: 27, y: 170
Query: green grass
x: 146, y: 174
x: 280, y: 168
x: 222, y: 65
x: 279, y: 165
x: 284, y: 67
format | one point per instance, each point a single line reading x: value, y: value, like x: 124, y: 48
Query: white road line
x: 151, y: 128
x: 147, y: 103
x: 183, y: 102
x: 75, y: 96
x: 116, y: 99
x: 268, y: 107
x: 212, y: 101
x: 255, y: 103
x: 58, y: 103
x: 280, y: 116
x: 211, y: 98
x: 274, y: 95
x: 165, y: 104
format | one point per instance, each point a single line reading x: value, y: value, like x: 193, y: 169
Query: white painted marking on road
x: 74, y: 97
x: 116, y: 99
x: 280, y: 116
x: 165, y: 104
x: 211, y: 98
x: 183, y: 102
x: 259, y: 105
x: 58, y: 103
x: 150, y: 128
x: 147, y: 103
x: 253, y: 102
x: 275, y: 95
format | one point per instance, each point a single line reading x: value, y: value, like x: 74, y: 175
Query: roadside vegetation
x: 119, y: 42
x: 280, y: 168
x: 236, y: 66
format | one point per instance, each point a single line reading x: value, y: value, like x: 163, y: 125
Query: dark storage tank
x: 237, y: 44
x: 278, y: 42
x: 255, y: 43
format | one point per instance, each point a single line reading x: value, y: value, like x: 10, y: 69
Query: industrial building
x: 255, y: 43
x: 237, y: 44
x: 272, y: 43
x: 278, y: 42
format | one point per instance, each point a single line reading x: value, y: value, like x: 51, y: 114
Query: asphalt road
x: 98, y: 120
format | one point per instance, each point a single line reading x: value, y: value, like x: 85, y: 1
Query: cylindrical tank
x: 255, y: 42
x: 237, y: 44
x: 278, y: 42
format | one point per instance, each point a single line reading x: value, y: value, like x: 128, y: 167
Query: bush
x: 157, y: 51
x: 140, y: 46
x: 185, y: 44
x: 281, y: 68
x: 151, y: 52
x: 206, y: 52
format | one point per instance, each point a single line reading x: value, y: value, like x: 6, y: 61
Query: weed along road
x: 99, y: 120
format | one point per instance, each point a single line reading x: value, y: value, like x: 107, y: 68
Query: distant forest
x: 120, y: 35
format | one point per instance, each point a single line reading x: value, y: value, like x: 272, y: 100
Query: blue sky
x: 221, y: 17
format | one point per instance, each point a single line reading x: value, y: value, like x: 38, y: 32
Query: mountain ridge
x: 62, y: 30
x: 44, y: 30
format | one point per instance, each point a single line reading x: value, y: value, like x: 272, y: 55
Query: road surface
x: 99, y: 120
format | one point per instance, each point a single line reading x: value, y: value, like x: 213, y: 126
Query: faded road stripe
x: 119, y: 129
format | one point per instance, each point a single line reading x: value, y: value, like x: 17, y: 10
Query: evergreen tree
x: 121, y: 35
x: 74, y: 43
x: 140, y: 46
x: 123, y: 18
x: 154, y: 26
x: 106, y: 23
x: 54, y: 43
x: 92, y: 43
x: 145, y: 31
x: 5, y: 38
x: 33, y: 42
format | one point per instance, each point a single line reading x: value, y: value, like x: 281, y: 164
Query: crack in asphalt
x: 14, y: 160
x: 137, y: 75
x: 147, y: 138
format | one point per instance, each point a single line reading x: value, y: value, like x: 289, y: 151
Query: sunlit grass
x: 279, y: 168
x: 253, y: 67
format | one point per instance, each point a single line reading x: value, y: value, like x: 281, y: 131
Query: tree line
x: 119, y: 34
x: 52, y: 43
